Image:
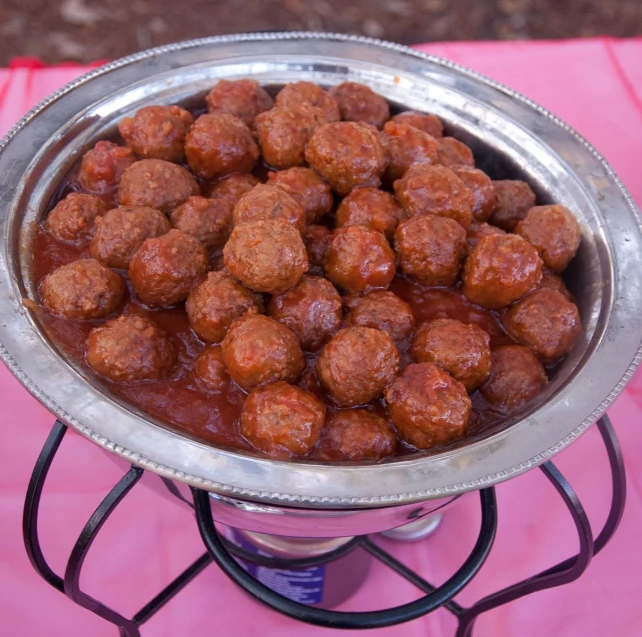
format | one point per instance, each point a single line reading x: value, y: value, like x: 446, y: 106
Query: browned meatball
x: 427, y: 406
x: 499, y: 270
x: 282, y: 420
x: 165, y: 269
x: 407, y: 145
x: 357, y: 434
x: 426, y: 122
x: 306, y: 188
x: 269, y: 202
x: 546, y: 322
x: 297, y: 92
x: 259, y: 350
x: 554, y: 232
x: 346, y: 155
x: 452, y: 152
x: 233, y: 187
x: 157, y: 132
x: 210, y: 371
x: 357, y: 365
x: 554, y: 282
x: 214, y: 304
x: 267, y: 255
x: 516, y: 376
x: 480, y: 229
x: 482, y: 191
x: 514, y: 199
x: 384, y: 311
x: 370, y: 207
x: 83, y: 289
x: 431, y: 249
x: 359, y: 103
x: 156, y: 184
x: 436, y: 190
x: 102, y: 166
x: 317, y: 242
x: 208, y: 220
x: 130, y: 348
x: 244, y: 99
x: 220, y: 144
x: 312, y: 309
x: 360, y: 259
x: 462, y: 350
x: 283, y: 133
x: 122, y: 231
x: 72, y: 219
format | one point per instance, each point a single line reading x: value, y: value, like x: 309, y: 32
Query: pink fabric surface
x: 596, y: 86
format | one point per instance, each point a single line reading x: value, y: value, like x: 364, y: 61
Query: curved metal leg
x: 571, y: 568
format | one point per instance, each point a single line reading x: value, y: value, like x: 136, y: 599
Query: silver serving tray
x: 512, y: 136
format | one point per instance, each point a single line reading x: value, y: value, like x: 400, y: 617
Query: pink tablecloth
x: 596, y: 86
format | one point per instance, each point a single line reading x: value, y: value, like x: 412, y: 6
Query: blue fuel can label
x: 303, y: 585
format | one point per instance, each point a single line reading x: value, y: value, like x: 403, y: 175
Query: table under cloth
x: 594, y: 85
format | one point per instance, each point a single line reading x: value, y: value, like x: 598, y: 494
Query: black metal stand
x: 224, y: 552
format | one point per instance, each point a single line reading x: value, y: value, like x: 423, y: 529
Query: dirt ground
x: 86, y: 30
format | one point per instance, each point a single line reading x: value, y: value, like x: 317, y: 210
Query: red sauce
x: 180, y: 403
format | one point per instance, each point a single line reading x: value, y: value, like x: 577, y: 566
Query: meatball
x: 431, y: 249
x: 359, y: 103
x: 384, y: 311
x: 306, y: 188
x: 244, y: 99
x: 102, y: 166
x: 122, y: 231
x: 269, y: 202
x: 233, y: 187
x: 554, y: 282
x: 436, y: 190
x: 427, y: 406
x: 72, y: 219
x: 357, y: 365
x: 514, y: 199
x: 312, y: 309
x: 283, y: 133
x: 215, y: 303
x: 157, y: 132
x: 83, y: 289
x: 220, y: 144
x: 165, y: 269
x: 208, y: 220
x: 478, y: 230
x: 259, y: 350
x: 306, y: 92
x: 546, y: 322
x: 516, y: 376
x: 130, y: 348
x: 317, y: 243
x: 346, y: 155
x: 210, y: 371
x: 266, y: 255
x: 428, y: 123
x: 282, y: 420
x: 554, y: 232
x: 360, y: 259
x: 406, y: 145
x: 357, y: 434
x: 499, y: 270
x: 370, y: 207
x: 452, y: 152
x: 462, y: 350
x: 156, y: 184
x: 482, y: 191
